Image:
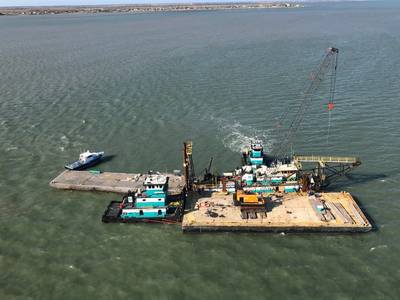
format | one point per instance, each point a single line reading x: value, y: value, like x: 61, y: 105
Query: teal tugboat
x: 259, y: 177
x: 150, y: 205
x: 256, y: 154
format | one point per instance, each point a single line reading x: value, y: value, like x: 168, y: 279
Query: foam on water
x: 377, y: 248
x: 12, y: 148
x: 236, y: 136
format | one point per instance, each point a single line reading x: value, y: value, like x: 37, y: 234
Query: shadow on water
x: 364, y: 178
x: 356, y: 179
x: 104, y: 160
x: 95, y: 166
x: 367, y: 215
x: 107, y: 158
x: 353, y: 179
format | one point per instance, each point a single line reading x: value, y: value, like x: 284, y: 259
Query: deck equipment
x: 322, y: 170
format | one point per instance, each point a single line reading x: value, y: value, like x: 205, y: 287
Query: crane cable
x: 329, y: 128
x: 332, y: 90
x: 329, y: 63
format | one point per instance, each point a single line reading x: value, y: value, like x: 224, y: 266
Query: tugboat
x: 152, y: 205
x: 259, y: 177
x: 86, y: 160
x: 254, y: 156
x: 256, y: 153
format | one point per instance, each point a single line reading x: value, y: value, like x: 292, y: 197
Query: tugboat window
x: 141, y: 212
x: 159, y: 211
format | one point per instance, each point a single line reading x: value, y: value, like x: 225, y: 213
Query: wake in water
x: 237, y: 136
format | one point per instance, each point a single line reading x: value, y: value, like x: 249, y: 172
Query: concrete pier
x: 293, y: 212
x: 110, y: 182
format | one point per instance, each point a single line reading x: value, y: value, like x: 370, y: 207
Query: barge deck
x: 292, y: 212
x: 110, y: 182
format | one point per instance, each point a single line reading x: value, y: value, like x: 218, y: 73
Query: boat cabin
x: 150, y: 202
x: 87, y: 155
x: 155, y: 185
x: 141, y: 213
x: 257, y: 145
x: 256, y: 153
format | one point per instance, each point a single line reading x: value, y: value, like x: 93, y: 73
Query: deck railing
x: 327, y: 159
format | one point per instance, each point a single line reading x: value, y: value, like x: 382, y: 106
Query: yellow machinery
x: 243, y: 198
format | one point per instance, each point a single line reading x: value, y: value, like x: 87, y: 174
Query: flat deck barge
x: 292, y: 212
x: 110, y: 182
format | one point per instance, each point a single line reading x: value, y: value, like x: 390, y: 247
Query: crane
x: 208, y: 176
x: 328, y: 66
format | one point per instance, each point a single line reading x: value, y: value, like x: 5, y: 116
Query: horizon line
x: 150, y: 3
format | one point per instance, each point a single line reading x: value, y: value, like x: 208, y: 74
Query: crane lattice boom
x: 328, y: 65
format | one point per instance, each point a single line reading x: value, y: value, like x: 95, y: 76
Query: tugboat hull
x: 114, y: 210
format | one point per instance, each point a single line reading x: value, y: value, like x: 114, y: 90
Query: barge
x: 259, y: 196
x: 290, y: 212
x: 120, y: 183
x: 275, y: 196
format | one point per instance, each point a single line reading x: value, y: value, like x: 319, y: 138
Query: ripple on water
x: 138, y: 85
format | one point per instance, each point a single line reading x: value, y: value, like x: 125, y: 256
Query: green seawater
x: 137, y: 86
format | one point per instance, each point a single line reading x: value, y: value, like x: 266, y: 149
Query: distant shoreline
x: 140, y: 8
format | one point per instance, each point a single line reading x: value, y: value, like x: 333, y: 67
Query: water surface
x: 137, y: 86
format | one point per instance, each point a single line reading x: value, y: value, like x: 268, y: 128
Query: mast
x: 188, y: 166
